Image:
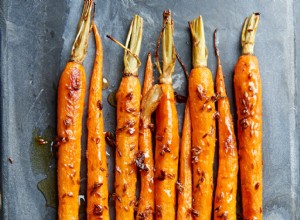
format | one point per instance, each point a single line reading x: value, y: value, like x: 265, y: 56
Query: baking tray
x: 36, y: 37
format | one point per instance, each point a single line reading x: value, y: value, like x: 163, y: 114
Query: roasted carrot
x: 167, y: 137
x: 151, y: 96
x: 202, y: 110
x: 184, y: 184
x: 71, y: 92
x: 225, y: 195
x: 127, y: 131
x: 248, y: 94
x: 97, y: 184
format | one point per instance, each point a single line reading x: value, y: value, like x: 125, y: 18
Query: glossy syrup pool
x: 42, y: 157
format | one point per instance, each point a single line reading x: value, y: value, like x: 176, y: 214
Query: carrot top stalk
x: 80, y: 44
x: 248, y: 33
x: 127, y: 131
x: 199, y: 50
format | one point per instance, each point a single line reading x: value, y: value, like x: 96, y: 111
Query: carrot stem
x: 248, y: 33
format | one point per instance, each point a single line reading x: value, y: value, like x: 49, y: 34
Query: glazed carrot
x: 248, y: 92
x: 167, y: 137
x: 184, y: 185
x: 97, y: 185
x: 225, y: 195
x: 149, y: 103
x: 202, y: 109
x: 127, y: 131
x: 71, y: 92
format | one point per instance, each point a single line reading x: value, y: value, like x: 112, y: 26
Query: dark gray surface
x: 36, y: 37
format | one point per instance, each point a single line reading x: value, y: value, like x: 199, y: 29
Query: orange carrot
x: 127, y: 132
x: 71, y: 92
x: 151, y: 96
x: 202, y: 110
x: 225, y: 195
x: 97, y: 183
x: 248, y: 92
x: 167, y: 137
x: 184, y: 185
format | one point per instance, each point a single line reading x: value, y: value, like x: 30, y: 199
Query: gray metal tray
x: 36, y: 38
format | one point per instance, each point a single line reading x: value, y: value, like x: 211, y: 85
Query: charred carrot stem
x: 71, y: 93
x: 184, y: 184
x: 127, y: 131
x: 151, y: 96
x: 225, y: 195
x: 97, y: 183
x: 167, y: 137
x: 202, y: 110
x: 248, y: 94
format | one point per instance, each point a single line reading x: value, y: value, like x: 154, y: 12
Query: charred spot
x: 216, y: 115
x: 179, y: 187
x: 125, y: 186
x: 180, y: 98
x: 58, y: 140
x: 69, y: 194
x: 194, y: 212
x: 165, y: 149
x: 159, y: 137
x: 129, y: 96
x: 67, y: 122
x: 116, y: 197
x: 99, y: 105
x: 162, y: 175
x: 140, y: 161
x: 256, y: 186
x: 95, y: 187
x: 195, y: 153
x: 75, y: 80
x: 98, y: 210
x: 217, y: 209
x: 151, y: 126
x: 201, y: 93
x: 244, y: 123
x: 158, y: 211
x: 209, y: 108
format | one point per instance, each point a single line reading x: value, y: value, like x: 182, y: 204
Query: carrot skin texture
x: 225, y: 195
x: 201, y: 89
x: 166, y: 163
x: 185, y: 169
x: 128, y: 107
x: 97, y: 183
x: 71, y: 92
x: 146, y: 202
x: 248, y: 92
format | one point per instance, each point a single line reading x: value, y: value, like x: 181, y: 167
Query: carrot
x: 184, y: 185
x: 71, y: 92
x: 202, y: 110
x: 225, y: 195
x: 167, y: 137
x: 248, y: 92
x: 97, y: 184
x: 127, y: 132
x: 149, y: 103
